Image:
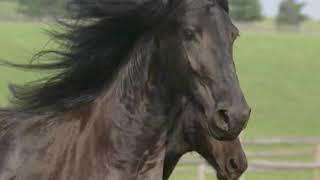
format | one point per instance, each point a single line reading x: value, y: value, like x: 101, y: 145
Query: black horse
x: 119, y: 86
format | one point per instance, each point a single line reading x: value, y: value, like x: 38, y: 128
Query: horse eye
x: 189, y: 34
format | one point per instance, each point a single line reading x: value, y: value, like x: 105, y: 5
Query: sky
x: 312, y: 8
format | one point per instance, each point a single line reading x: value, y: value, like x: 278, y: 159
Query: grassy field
x: 278, y: 73
x: 189, y: 173
x: 18, y: 42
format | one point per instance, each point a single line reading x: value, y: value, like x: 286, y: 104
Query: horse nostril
x: 233, y: 164
x: 225, y: 124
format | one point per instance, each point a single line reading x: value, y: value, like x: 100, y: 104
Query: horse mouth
x: 227, y: 174
x: 222, y: 176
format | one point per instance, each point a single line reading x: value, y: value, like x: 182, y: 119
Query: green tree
x: 41, y: 8
x: 290, y: 13
x: 245, y: 10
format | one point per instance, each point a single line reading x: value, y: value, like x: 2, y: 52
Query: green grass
x: 18, y: 42
x: 278, y: 73
x: 297, y: 175
x: 189, y: 172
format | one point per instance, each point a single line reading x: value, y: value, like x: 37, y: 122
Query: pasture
x: 278, y: 74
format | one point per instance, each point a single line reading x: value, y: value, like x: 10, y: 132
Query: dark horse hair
x: 95, y: 45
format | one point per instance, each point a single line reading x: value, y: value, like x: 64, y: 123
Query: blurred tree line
x: 240, y: 10
x: 40, y: 8
x: 290, y: 13
x: 245, y: 10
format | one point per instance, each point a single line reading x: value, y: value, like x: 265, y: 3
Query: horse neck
x: 132, y: 116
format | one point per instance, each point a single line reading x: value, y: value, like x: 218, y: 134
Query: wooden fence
x: 258, y: 165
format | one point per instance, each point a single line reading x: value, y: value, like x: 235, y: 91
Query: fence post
x: 317, y: 160
x: 201, y: 171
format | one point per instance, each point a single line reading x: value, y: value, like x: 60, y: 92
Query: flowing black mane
x: 96, y: 44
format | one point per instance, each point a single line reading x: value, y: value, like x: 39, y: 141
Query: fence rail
x: 284, y: 141
x: 263, y: 165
